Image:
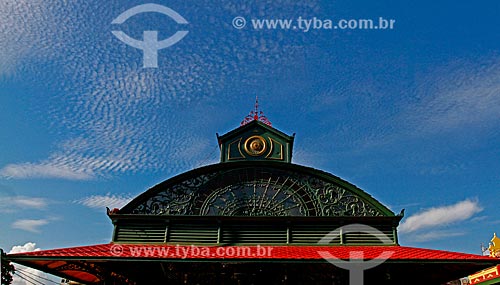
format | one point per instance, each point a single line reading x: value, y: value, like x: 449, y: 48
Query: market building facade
x: 255, y: 217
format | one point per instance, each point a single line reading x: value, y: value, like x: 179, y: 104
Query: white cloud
x: 108, y: 200
x: 30, y: 202
x: 27, y: 247
x: 26, y: 272
x: 439, y: 216
x: 44, y: 170
x: 18, y: 20
x: 435, y: 235
x: 30, y: 225
x: 15, y: 203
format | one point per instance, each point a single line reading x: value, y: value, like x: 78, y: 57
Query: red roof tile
x: 292, y: 252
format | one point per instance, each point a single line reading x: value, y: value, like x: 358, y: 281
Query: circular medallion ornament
x: 255, y: 145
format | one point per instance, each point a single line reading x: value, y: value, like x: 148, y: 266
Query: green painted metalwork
x: 248, y: 230
x: 255, y: 141
x: 256, y: 189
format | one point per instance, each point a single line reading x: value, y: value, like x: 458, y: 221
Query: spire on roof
x: 494, y: 247
x: 256, y: 115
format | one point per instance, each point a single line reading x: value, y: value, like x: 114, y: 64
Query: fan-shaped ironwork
x: 239, y: 190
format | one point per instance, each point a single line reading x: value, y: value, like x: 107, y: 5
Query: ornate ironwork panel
x: 261, y: 191
x: 254, y: 198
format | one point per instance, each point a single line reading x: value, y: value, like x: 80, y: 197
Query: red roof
x: 292, y: 252
x: 85, y: 263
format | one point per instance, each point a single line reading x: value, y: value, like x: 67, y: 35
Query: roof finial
x: 494, y: 247
x: 256, y: 115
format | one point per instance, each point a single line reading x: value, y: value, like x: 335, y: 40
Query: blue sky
x: 411, y: 115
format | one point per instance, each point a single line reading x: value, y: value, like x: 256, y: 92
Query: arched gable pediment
x: 256, y: 189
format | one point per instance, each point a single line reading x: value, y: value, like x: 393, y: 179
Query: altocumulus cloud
x: 45, y: 169
x: 434, y: 235
x: 108, y: 200
x: 107, y: 99
x: 473, y: 99
x: 14, y: 203
x: 30, y: 225
x: 439, y: 216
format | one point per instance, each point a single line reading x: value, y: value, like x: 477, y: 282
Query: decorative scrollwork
x: 176, y: 200
x: 263, y: 191
x: 90, y: 268
x: 99, y: 272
